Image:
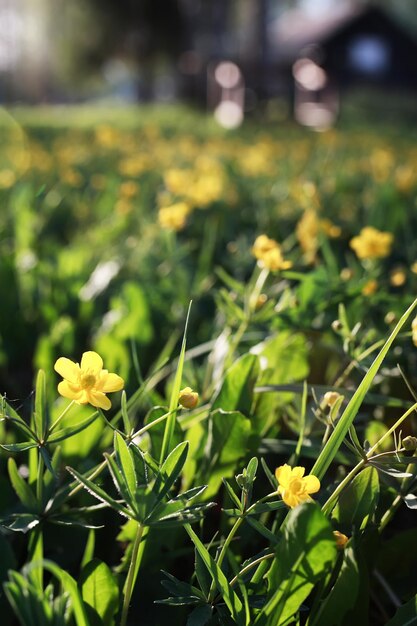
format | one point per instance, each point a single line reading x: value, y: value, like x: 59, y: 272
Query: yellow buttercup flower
x: 269, y: 254
x: 372, y: 243
x: 294, y: 487
x: 188, y: 398
x: 88, y: 382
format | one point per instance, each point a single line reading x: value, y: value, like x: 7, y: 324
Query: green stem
x: 131, y: 575
x: 223, y: 551
x: 59, y: 418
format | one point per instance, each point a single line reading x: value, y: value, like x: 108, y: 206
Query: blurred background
x: 296, y: 58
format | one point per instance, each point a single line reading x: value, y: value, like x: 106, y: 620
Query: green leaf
x: 229, y: 442
x: 21, y: 522
x: 126, y: 420
x: 98, y: 493
x: 126, y: 463
x: 358, y: 501
x: 22, y: 489
x: 40, y: 416
x: 261, y: 529
x: 100, y: 590
x: 304, y: 556
x: 18, y: 447
x: 175, y: 393
x: 342, y: 427
x: 118, y: 479
x: 170, y: 470
x: 232, y: 495
x: 200, y: 616
x: 70, y: 431
x: 406, y: 615
x: 236, y: 392
x: 202, y: 574
x: 252, y: 469
x: 343, y: 595
x: 232, y: 601
x: 70, y: 586
x: 267, y: 507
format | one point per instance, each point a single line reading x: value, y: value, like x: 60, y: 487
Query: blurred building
x: 308, y: 61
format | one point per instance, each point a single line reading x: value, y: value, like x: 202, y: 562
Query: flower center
x: 87, y: 381
x: 296, y: 485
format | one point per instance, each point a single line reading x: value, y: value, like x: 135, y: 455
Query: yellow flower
x: 397, y: 277
x: 341, y: 539
x: 174, y: 217
x: 307, y: 231
x: 89, y: 382
x: 269, y: 254
x: 370, y: 287
x: 372, y: 243
x: 294, y: 487
x: 188, y: 398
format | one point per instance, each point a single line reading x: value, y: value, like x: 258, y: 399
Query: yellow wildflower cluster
x: 269, y: 254
x: 88, y: 382
x: 293, y: 486
x: 372, y: 243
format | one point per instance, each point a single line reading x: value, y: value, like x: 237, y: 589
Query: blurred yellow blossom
x: 372, y: 243
x: 88, y: 382
x: 370, y: 287
x: 269, y: 254
x: 414, y: 331
x: 294, y: 487
x: 188, y: 398
x: 174, y: 217
x: 397, y: 277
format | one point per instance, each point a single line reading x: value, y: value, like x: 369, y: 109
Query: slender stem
x: 224, y: 549
x: 59, y: 418
x: 131, y: 575
x: 327, y: 506
x: 248, y: 567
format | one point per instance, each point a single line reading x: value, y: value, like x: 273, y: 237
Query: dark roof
x: 297, y: 29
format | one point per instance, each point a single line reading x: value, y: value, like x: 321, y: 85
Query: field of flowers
x: 247, y: 300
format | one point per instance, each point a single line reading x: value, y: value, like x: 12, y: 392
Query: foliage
x: 307, y: 364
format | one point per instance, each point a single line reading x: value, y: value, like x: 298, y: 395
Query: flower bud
x: 341, y: 539
x: 188, y: 398
x: 337, y: 326
x: 330, y: 398
x: 410, y: 443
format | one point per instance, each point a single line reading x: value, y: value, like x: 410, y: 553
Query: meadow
x: 248, y: 300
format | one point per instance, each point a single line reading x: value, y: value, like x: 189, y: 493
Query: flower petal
x: 69, y: 391
x: 98, y: 399
x: 291, y: 499
x: 67, y: 369
x: 311, y: 483
x: 298, y: 472
x: 283, y: 475
x: 91, y: 361
x: 111, y: 382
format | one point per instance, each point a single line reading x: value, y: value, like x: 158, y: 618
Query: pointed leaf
x: 69, y: 431
x: 170, y: 470
x: 342, y: 427
x: 100, y: 590
x: 40, y: 417
x: 22, y: 489
x: 98, y: 493
x: 125, y: 462
x: 231, y: 599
